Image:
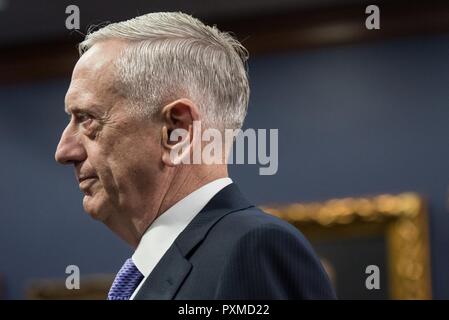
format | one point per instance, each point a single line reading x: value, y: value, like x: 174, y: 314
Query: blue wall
x: 354, y: 120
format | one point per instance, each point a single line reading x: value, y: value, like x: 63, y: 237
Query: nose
x: 70, y: 148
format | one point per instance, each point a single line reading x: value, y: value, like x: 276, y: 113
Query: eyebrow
x: 70, y: 110
x: 77, y: 109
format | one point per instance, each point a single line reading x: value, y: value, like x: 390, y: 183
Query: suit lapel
x: 168, y: 275
x: 166, y: 278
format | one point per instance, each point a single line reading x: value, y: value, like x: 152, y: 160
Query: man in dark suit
x: 232, y: 250
x: 137, y: 94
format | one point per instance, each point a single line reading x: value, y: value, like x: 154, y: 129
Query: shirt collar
x: 165, y: 229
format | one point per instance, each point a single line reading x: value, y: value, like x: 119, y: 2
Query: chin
x: 95, y: 207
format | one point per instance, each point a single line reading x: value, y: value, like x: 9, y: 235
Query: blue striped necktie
x: 126, y: 281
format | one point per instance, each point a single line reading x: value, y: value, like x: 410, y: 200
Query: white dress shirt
x: 166, y: 228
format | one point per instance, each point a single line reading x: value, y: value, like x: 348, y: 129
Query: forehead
x: 93, y: 79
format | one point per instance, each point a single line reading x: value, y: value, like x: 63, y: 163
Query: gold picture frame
x: 402, y: 218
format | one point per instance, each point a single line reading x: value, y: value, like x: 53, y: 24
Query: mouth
x: 84, y: 178
x: 85, y: 182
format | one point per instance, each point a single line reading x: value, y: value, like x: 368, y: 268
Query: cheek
x: 117, y: 169
x: 135, y: 168
x: 102, y: 164
x: 126, y: 163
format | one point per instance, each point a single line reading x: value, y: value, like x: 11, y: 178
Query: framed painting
x: 357, y: 236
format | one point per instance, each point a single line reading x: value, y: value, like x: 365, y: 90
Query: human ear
x: 178, y: 136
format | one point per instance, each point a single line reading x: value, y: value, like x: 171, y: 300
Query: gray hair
x: 173, y: 55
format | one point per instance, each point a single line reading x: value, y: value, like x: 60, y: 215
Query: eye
x: 84, y: 119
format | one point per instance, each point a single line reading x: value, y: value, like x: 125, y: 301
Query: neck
x: 185, y: 180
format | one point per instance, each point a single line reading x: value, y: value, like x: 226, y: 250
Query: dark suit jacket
x: 232, y: 250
